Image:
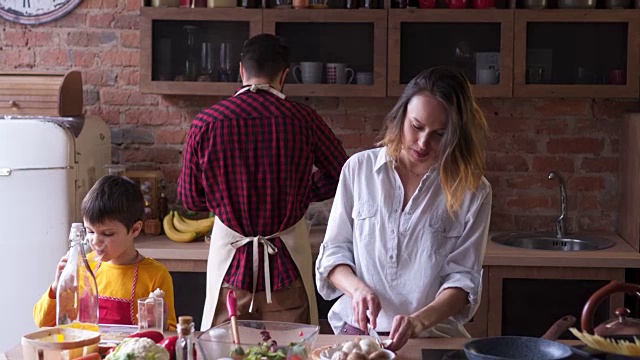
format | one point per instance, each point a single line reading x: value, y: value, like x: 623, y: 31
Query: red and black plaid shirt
x: 249, y: 159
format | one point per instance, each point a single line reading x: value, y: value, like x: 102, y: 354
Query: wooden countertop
x: 193, y: 256
x: 411, y: 351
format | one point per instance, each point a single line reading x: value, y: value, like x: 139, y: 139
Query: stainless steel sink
x: 549, y: 241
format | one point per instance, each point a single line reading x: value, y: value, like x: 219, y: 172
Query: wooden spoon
x: 232, y: 304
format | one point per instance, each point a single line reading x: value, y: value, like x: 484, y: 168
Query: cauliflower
x: 157, y: 293
x: 138, y: 349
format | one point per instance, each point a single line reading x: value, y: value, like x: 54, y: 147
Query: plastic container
x: 59, y: 344
x: 291, y: 338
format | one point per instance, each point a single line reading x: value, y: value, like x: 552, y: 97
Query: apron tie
x: 269, y: 249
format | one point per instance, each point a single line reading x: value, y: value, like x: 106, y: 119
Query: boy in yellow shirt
x: 112, y: 212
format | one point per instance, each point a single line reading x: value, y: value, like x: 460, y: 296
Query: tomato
x: 156, y: 336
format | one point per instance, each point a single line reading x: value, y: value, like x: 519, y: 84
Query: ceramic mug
x: 489, y: 76
x: 310, y: 72
x: 337, y: 73
x: 364, y: 78
x: 617, y: 77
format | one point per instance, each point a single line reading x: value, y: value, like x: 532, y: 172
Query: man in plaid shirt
x: 250, y: 160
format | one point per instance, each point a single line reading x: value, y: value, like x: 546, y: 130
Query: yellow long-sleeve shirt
x: 116, y: 281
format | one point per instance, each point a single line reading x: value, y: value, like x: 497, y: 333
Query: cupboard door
x: 477, y: 42
x: 528, y: 300
x: 576, y: 53
x: 335, y: 52
x: 194, y: 51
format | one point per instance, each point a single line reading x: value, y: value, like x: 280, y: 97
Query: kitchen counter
x: 193, y: 256
x: 411, y: 351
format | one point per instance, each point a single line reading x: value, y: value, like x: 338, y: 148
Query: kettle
x: 621, y: 325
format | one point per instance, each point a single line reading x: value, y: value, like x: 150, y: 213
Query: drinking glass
x: 151, y: 314
x: 225, y: 62
x: 208, y: 63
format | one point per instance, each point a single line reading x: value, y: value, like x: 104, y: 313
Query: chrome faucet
x: 561, y: 223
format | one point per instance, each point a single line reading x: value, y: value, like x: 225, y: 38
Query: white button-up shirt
x: 407, y: 257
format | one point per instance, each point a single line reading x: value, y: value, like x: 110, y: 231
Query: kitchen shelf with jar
x: 479, y: 42
x: 577, y: 53
x: 335, y: 52
x: 185, y: 51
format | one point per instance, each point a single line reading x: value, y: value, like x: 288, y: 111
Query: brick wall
x: 530, y: 137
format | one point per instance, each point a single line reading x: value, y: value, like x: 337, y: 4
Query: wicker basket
x: 59, y: 344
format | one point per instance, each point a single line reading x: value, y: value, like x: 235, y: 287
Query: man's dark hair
x: 265, y: 55
x: 115, y: 198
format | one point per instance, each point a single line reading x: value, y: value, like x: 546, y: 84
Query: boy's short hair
x: 265, y: 55
x: 116, y: 198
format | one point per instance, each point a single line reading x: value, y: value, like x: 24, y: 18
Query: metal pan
x: 523, y: 347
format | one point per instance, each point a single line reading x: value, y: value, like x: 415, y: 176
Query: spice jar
x: 300, y: 4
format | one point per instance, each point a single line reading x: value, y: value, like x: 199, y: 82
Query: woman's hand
x: 403, y: 328
x: 364, y: 300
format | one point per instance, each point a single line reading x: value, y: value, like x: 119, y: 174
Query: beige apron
x: 222, y: 248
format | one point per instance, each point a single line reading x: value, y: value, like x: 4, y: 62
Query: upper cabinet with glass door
x: 576, y: 53
x: 477, y: 41
x: 335, y: 52
x: 194, y: 50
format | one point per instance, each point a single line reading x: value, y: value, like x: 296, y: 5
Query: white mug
x: 364, y: 78
x: 311, y: 72
x: 337, y: 73
x: 489, y: 76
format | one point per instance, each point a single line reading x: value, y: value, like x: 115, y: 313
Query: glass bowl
x: 292, y: 341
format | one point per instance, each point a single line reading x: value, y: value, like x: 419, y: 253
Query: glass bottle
x: 186, y: 341
x: 77, y: 292
x: 191, y: 65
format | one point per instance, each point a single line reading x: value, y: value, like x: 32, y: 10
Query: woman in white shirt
x: 408, y: 228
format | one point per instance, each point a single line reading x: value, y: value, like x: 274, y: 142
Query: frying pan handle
x: 594, y: 301
x: 559, y: 327
x: 232, y: 304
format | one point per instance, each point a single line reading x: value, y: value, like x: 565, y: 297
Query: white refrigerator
x: 47, y: 165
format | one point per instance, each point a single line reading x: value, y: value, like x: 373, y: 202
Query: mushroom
x: 357, y: 355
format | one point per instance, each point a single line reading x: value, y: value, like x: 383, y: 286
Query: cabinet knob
x: 14, y: 104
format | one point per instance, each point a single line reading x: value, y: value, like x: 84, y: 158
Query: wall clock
x: 35, y: 11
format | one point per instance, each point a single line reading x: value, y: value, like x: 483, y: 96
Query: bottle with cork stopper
x: 186, y: 340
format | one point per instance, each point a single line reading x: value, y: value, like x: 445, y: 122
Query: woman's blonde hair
x: 462, y: 150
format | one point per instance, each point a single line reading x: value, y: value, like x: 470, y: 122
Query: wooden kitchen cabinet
x: 166, y: 54
x: 527, y: 300
x: 356, y: 38
x: 576, y: 53
x: 419, y: 39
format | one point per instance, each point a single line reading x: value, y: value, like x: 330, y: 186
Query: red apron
x: 118, y: 311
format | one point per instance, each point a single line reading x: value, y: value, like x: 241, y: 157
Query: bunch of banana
x: 173, y: 233
x: 184, y: 230
x: 201, y: 227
